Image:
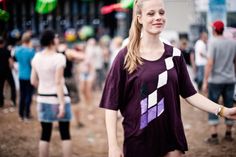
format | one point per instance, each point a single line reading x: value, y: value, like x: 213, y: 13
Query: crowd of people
x: 58, y: 74
x: 87, y: 63
x: 144, y: 78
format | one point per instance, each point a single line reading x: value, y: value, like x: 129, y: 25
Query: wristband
x: 220, y: 111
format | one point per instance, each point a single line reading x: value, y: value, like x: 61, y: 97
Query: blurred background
x: 186, y: 18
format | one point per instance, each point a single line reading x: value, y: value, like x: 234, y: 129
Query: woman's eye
x: 161, y: 12
x: 150, y: 13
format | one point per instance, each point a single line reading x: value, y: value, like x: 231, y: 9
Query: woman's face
x: 152, y: 16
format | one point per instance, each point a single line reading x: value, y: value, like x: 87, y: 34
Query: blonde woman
x: 144, y: 83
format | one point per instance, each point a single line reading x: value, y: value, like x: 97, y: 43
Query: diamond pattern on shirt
x: 169, y: 63
x: 162, y: 79
x: 150, y: 108
x: 152, y: 99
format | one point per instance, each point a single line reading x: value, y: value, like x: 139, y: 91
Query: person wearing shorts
x: 53, y: 99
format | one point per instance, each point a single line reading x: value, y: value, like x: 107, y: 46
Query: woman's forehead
x: 152, y: 5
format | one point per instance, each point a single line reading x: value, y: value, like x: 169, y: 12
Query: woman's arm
x: 111, y: 125
x: 205, y: 104
x: 34, y: 78
x: 60, y: 90
x: 74, y: 55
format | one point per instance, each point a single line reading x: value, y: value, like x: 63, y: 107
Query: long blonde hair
x: 132, y: 58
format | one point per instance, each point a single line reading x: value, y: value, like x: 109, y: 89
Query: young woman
x: 53, y: 100
x: 144, y: 83
x: 87, y: 74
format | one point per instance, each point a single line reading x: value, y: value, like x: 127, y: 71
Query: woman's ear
x: 139, y: 18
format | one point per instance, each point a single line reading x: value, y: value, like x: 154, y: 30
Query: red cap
x: 218, y: 25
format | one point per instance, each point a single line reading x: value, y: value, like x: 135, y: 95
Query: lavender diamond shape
x: 152, y: 113
x: 143, y: 122
x: 143, y: 106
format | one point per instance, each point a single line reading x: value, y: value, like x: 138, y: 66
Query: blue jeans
x: 200, y: 76
x: 214, y: 93
x: 26, y: 92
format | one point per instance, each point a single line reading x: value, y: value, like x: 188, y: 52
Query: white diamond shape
x: 162, y: 79
x: 152, y: 99
x: 176, y: 52
x: 169, y: 63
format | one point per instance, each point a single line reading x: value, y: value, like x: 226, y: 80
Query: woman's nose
x: 157, y: 17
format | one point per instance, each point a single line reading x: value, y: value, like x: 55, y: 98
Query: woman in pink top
x: 53, y: 100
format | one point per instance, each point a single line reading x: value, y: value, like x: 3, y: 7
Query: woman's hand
x: 61, y: 112
x: 115, y: 152
x: 230, y: 113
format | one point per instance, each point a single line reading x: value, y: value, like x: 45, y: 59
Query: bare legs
x: 86, y: 91
x: 66, y: 148
x: 214, y: 129
x: 43, y: 149
x: 175, y: 153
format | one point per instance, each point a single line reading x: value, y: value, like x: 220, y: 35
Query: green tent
x: 45, y: 6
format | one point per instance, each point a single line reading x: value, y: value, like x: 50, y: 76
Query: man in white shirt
x: 200, y: 58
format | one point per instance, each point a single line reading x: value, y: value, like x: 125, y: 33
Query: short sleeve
x: 186, y: 88
x: 114, y: 85
x: 61, y: 61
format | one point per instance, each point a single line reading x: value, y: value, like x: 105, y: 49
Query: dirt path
x: 20, y: 139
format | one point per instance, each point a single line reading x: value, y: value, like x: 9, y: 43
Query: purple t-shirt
x: 149, y: 102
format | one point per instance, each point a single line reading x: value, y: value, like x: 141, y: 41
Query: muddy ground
x: 20, y: 139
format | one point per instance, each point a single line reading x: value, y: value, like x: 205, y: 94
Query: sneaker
x: 228, y: 138
x: 212, y: 140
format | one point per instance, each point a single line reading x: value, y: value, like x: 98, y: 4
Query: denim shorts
x: 227, y: 92
x: 48, y: 112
